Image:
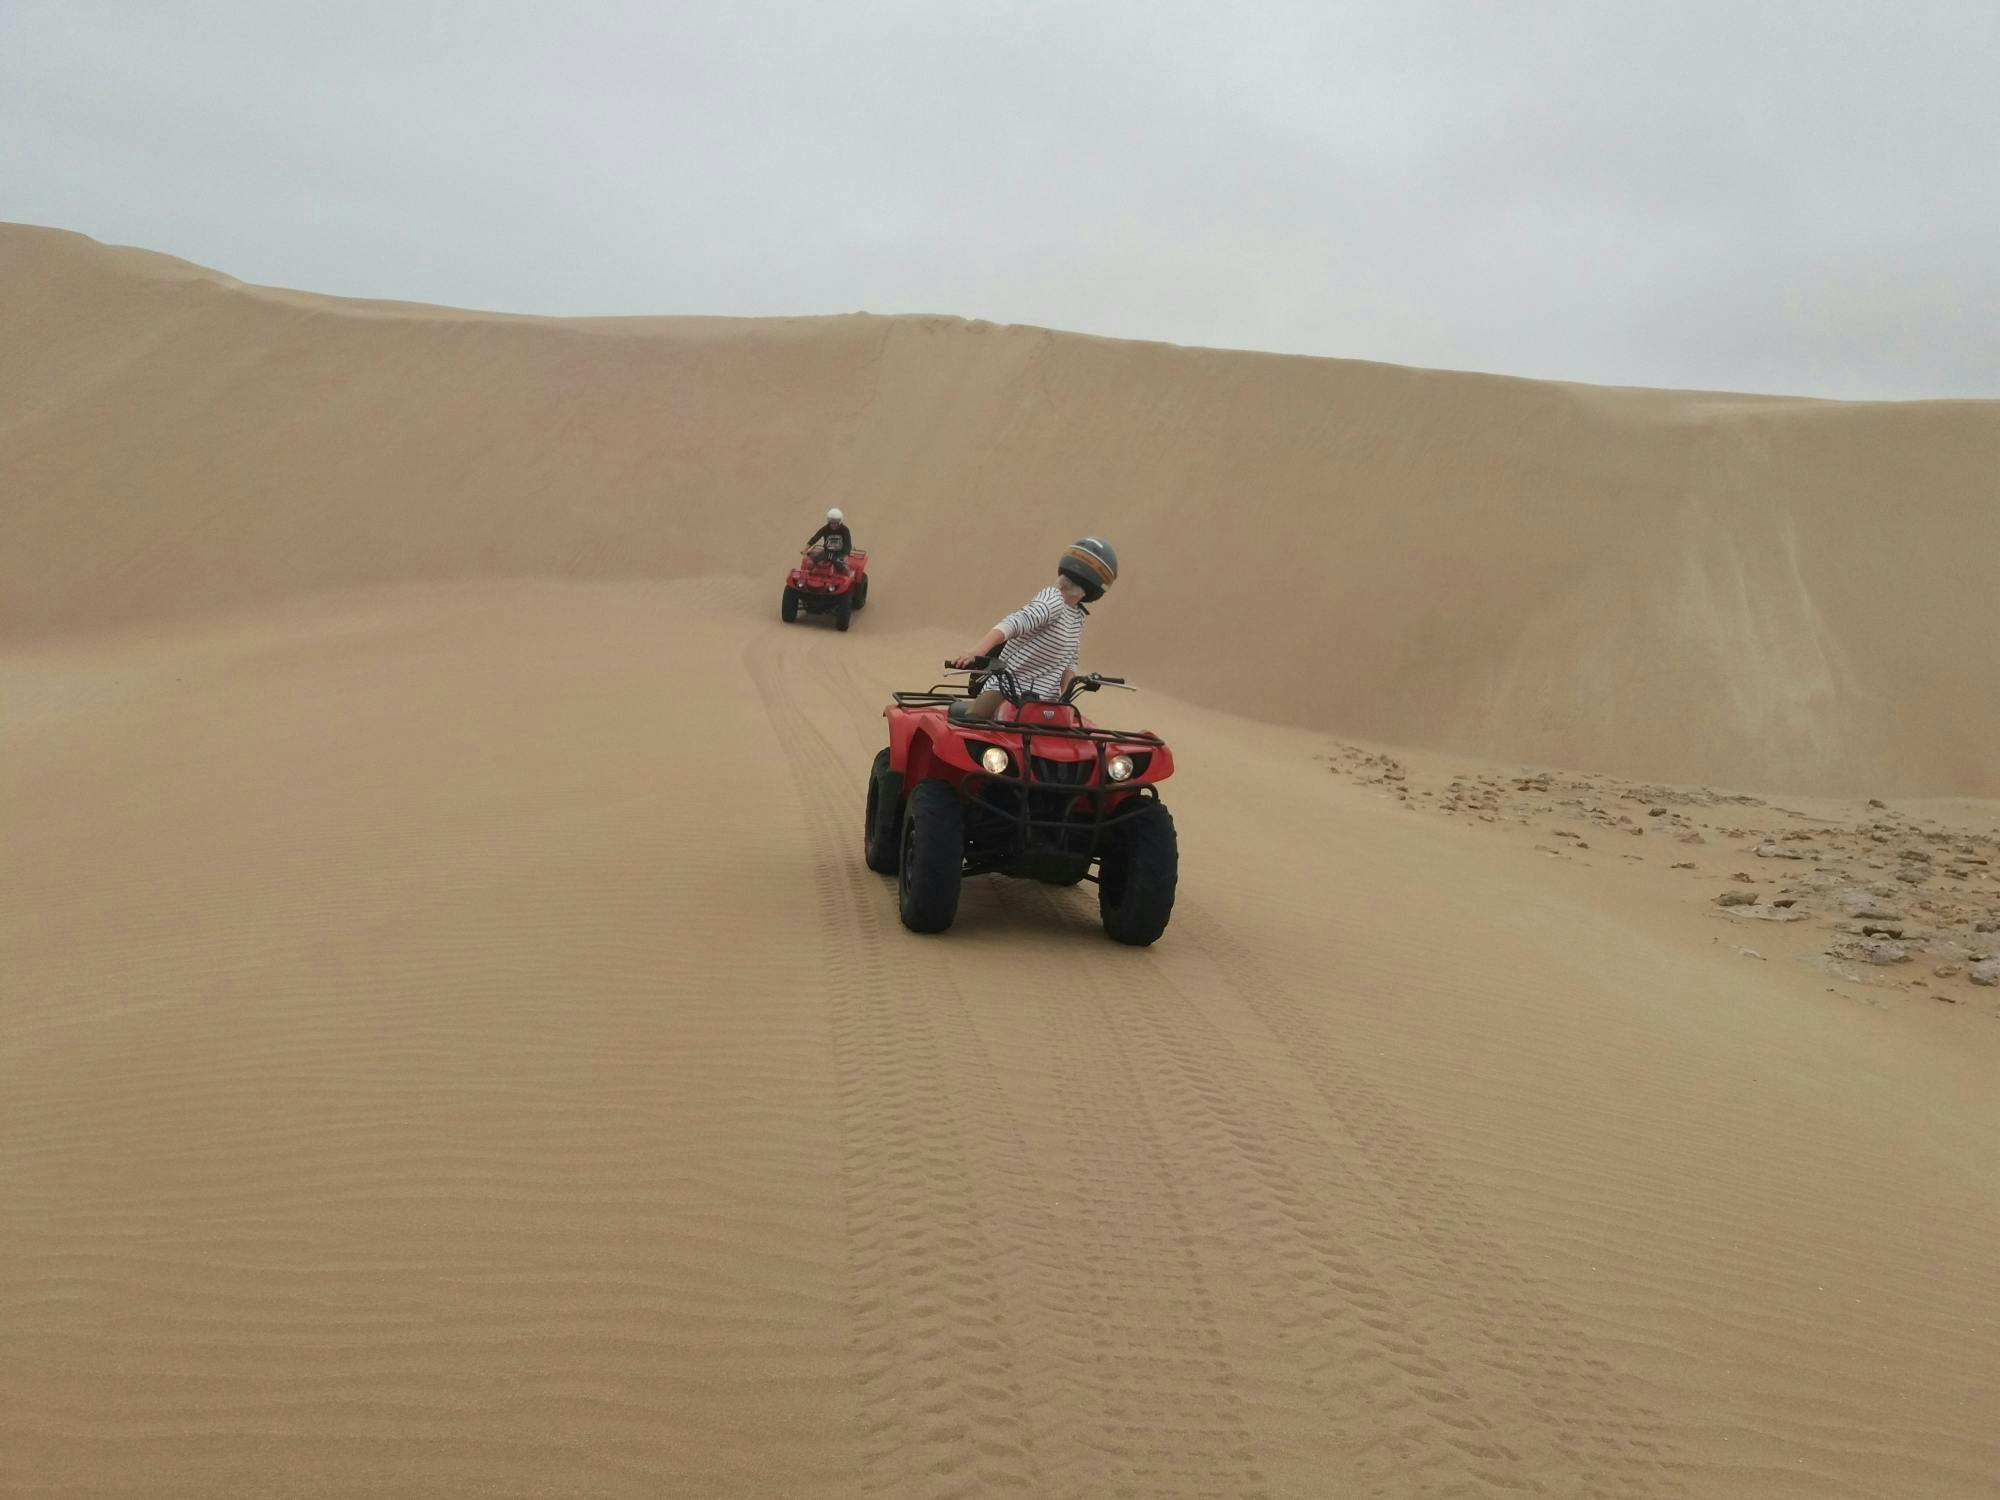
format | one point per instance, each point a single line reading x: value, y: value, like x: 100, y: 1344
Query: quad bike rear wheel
x: 1137, y: 875
x: 933, y: 857
x: 861, y: 595
x: 881, y: 839
x: 788, y: 608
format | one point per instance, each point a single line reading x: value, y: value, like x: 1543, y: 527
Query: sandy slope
x: 449, y: 1042
x: 1780, y: 594
x: 454, y: 1046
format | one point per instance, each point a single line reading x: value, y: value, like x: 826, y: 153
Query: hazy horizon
x: 1790, y: 201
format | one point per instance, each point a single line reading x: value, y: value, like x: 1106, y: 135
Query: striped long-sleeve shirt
x: 1042, y: 640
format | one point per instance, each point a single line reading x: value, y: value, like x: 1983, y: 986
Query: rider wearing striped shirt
x: 1037, y: 644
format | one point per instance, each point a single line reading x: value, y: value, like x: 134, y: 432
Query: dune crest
x: 1761, y: 591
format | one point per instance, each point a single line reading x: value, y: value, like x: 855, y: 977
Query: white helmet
x: 835, y: 515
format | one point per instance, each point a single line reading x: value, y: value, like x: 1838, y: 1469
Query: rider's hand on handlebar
x: 963, y: 661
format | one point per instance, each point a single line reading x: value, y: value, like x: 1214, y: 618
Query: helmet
x: 835, y: 515
x: 1092, y: 563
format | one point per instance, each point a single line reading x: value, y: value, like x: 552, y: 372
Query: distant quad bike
x: 819, y: 588
x: 1037, y: 793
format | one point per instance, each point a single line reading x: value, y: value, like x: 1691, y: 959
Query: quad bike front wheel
x: 1137, y: 875
x: 788, y: 607
x: 881, y: 838
x: 933, y: 857
x: 861, y: 595
x: 843, y: 612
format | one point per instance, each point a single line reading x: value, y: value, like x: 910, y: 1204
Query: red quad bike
x: 819, y: 588
x: 1036, y: 793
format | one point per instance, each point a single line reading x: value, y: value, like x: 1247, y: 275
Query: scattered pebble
x: 1868, y: 910
x: 1872, y: 951
x: 1771, y: 913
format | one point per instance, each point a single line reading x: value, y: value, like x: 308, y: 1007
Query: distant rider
x: 833, y: 539
x: 1037, y: 644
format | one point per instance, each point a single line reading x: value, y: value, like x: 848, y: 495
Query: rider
x: 1037, y: 644
x: 833, y: 539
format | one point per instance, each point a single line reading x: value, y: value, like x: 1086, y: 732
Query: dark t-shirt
x: 839, y: 540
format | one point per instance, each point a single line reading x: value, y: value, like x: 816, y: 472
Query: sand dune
x: 1772, y: 593
x: 452, y: 1044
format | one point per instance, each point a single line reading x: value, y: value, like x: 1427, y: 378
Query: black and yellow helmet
x: 1092, y: 563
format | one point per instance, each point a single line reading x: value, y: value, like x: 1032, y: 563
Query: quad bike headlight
x: 995, y: 760
x: 1119, y: 767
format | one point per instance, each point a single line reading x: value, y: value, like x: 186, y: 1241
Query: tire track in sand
x: 1161, y: 1411
x: 1563, y: 1405
x: 1345, y: 1384
x: 947, y: 1393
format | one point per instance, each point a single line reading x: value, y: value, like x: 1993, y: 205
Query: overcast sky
x: 1750, y: 194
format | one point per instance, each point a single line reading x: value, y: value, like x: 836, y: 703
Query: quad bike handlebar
x: 1088, y: 682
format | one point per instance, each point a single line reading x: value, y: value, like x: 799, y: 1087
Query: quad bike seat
x: 1034, y: 713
